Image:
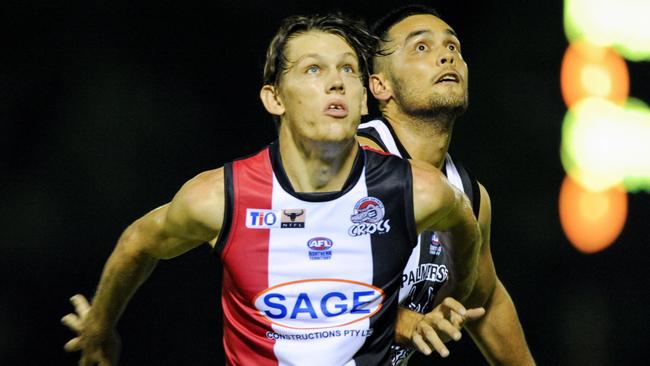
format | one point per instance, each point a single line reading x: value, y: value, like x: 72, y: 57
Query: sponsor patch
x: 321, y: 334
x: 368, y: 210
x: 293, y: 218
x: 257, y: 218
x: 435, y: 247
x: 425, y: 272
x: 368, y: 218
x: 320, y: 248
x: 319, y: 303
x: 262, y: 219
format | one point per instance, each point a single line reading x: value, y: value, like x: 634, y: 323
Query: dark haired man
x: 420, y: 82
x: 313, y: 231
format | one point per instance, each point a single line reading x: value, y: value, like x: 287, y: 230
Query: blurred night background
x: 107, y: 110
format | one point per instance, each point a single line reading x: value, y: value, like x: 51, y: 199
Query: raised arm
x: 193, y: 217
x: 441, y: 207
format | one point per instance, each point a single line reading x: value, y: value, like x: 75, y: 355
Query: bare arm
x: 193, y: 217
x: 441, y: 207
x: 427, y: 332
x: 498, y: 334
x: 496, y: 330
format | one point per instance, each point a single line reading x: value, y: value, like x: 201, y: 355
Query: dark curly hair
x: 381, y: 27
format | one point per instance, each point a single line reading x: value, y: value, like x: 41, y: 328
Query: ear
x: 364, y: 103
x: 380, y: 87
x: 271, y: 100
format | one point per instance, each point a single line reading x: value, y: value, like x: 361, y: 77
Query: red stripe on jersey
x: 375, y: 150
x: 245, y: 260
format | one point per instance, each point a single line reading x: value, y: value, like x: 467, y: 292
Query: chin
x: 339, y: 130
x: 452, y: 101
x: 335, y: 137
x: 339, y: 137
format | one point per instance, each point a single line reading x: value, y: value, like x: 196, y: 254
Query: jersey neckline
x: 285, y: 183
x: 402, y: 150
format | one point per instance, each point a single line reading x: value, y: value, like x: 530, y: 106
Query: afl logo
x: 368, y: 210
x: 320, y: 243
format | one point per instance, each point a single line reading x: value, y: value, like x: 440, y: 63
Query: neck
x: 316, y: 166
x: 425, y: 138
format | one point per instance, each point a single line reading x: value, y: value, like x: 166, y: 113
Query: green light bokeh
x: 621, y: 24
x: 604, y: 144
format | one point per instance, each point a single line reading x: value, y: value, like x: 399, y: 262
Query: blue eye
x: 313, y: 69
x: 348, y: 69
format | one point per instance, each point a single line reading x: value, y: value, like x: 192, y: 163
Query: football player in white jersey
x: 420, y: 82
x: 314, y: 85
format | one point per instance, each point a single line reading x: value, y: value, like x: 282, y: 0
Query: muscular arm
x: 498, y: 334
x: 190, y: 219
x: 429, y: 331
x: 193, y: 217
x: 441, y: 207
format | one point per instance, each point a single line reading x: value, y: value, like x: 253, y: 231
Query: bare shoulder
x: 428, y: 182
x: 200, y: 203
x: 204, y: 184
x: 364, y: 141
x: 432, y: 194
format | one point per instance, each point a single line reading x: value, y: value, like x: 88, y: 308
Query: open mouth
x: 448, y: 77
x: 336, y: 109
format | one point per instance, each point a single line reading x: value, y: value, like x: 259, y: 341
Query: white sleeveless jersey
x: 313, y: 278
x: 429, y: 266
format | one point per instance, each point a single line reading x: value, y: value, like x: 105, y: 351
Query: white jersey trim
x: 452, y: 174
x: 384, y: 133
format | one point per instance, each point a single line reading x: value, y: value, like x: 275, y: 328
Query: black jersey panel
x: 373, y: 135
x: 389, y: 180
x: 229, y: 197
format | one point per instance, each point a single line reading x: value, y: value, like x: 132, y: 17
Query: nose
x: 335, y: 83
x: 447, y: 57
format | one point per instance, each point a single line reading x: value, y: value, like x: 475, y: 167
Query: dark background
x: 106, y: 110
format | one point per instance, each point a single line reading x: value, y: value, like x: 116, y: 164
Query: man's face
x: 426, y: 70
x: 322, y: 91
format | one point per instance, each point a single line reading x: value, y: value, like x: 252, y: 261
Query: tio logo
x: 261, y: 219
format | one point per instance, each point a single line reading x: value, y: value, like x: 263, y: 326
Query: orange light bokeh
x: 589, y: 70
x: 591, y: 220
